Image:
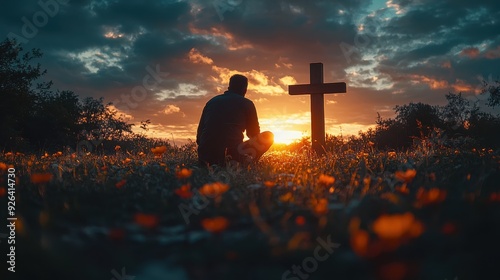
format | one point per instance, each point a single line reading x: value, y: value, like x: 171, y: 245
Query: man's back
x: 223, y: 121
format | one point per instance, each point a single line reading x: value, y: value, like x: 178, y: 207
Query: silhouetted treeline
x: 459, y: 124
x: 34, y: 117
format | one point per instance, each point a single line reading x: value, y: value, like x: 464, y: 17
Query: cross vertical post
x: 317, y: 110
x: 317, y: 89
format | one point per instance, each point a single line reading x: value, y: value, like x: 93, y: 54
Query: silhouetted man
x: 223, y: 121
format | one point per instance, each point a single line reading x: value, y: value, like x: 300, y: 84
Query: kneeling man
x: 222, y: 123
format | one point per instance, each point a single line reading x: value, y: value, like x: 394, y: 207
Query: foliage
x: 460, y: 122
x: 379, y: 207
x: 33, y: 116
x: 494, y: 90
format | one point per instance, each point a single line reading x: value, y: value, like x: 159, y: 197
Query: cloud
x: 196, y: 57
x: 171, y: 109
x: 470, y: 52
x: 402, y: 51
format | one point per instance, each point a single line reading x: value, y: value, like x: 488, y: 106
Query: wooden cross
x: 317, y: 89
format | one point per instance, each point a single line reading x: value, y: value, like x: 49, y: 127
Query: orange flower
x: 146, y: 220
x: 288, y: 197
x: 184, y: 173
x: 158, y: 151
x: 403, y: 189
x: 3, y: 166
x: 326, y: 180
x: 58, y: 154
x: 214, y: 189
x: 431, y: 196
x: 184, y: 191
x: 117, y: 148
x: 269, y: 184
x: 406, y: 176
x: 391, y: 154
x: 127, y: 160
x: 41, y: 178
x: 397, y: 226
x: 300, y: 220
x: 360, y: 240
x: 9, y: 154
x: 3, y: 191
x: 321, y: 207
x: 215, y: 225
x: 121, y: 183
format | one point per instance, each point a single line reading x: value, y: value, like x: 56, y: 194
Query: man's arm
x: 252, y: 125
x: 200, y: 127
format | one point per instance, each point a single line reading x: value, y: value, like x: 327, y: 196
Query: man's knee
x: 266, y: 137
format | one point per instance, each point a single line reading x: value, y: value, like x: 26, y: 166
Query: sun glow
x: 286, y: 136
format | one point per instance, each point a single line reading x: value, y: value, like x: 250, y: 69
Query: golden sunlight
x: 286, y: 136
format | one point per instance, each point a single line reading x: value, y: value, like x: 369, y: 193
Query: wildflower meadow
x: 429, y: 212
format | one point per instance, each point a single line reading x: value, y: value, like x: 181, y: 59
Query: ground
x: 426, y: 213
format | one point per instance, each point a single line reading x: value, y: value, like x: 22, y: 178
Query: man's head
x: 238, y: 84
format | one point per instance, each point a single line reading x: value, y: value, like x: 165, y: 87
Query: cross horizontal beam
x: 317, y: 88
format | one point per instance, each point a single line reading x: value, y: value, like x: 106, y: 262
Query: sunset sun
x: 286, y: 136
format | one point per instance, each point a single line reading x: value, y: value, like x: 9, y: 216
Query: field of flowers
x: 354, y: 213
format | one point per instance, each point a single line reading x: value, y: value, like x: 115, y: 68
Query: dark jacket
x: 223, y: 121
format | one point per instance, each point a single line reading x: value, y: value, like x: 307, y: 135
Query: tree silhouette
x: 18, y: 90
x: 32, y: 115
x: 99, y: 121
x: 494, y: 90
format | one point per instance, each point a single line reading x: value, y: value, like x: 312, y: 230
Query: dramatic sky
x: 163, y: 60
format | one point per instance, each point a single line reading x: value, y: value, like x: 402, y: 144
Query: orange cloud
x: 462, y: 86
x: 432, y: 82
x: 493, y: 54
x: 446, y: 64
x: 196, y: 57
x: 220, y: 35
x: 171, y: 109
x: 470, y: 52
